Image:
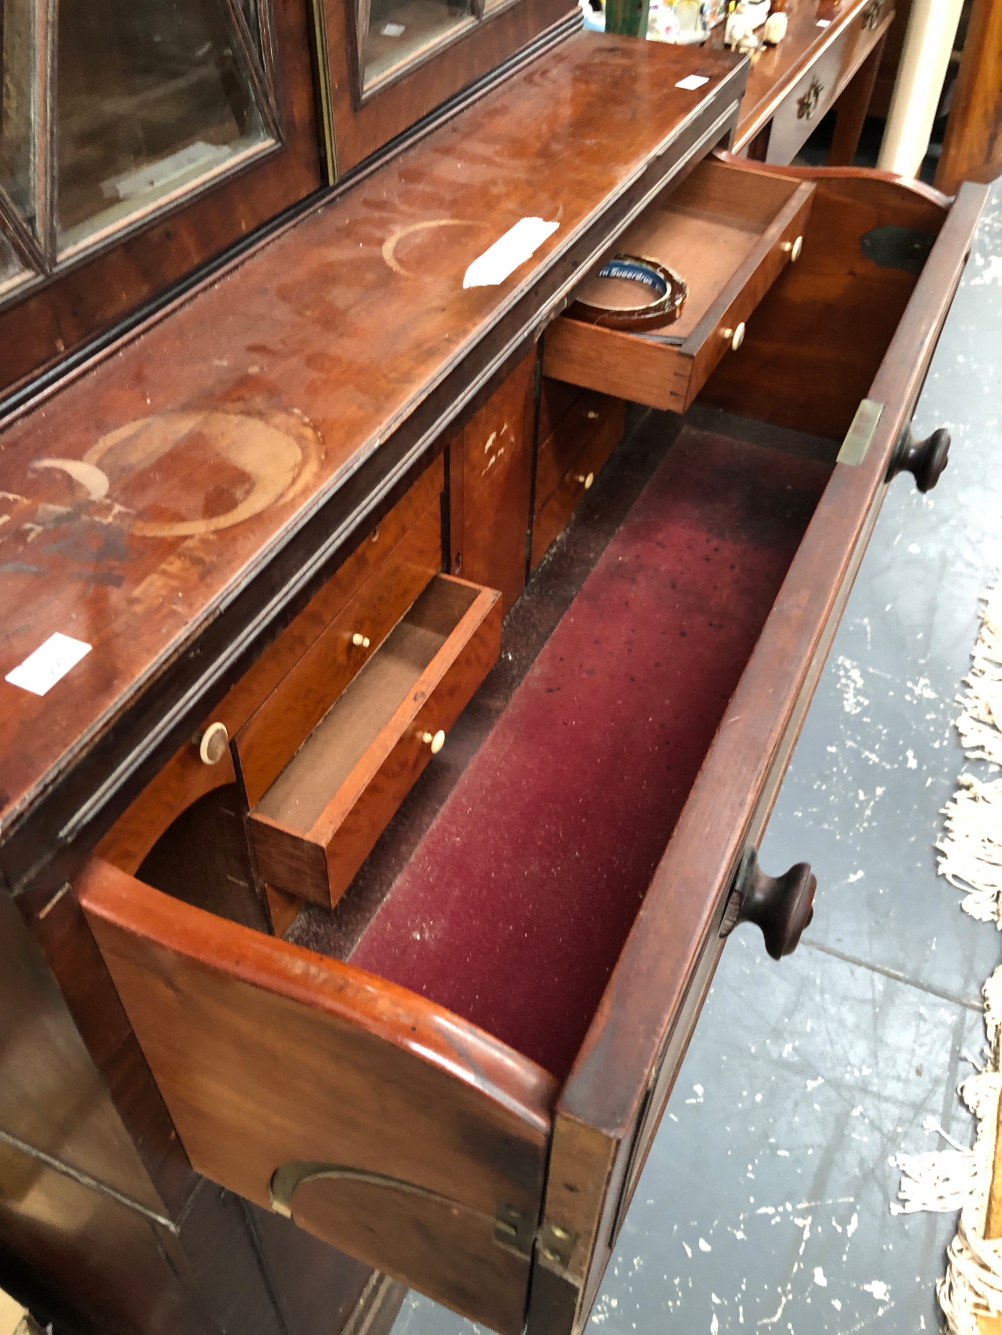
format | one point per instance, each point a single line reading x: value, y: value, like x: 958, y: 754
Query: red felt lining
x: 516, y: 903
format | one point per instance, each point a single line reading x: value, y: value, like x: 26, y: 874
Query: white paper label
x: 824, y: 23
x: 508, y: 252
x: 48, y: 664
x: 393, y: 29
x: 693, y: 81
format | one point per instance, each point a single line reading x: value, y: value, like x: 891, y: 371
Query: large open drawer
x: 399, y: 1129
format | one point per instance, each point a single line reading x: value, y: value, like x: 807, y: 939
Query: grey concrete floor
x: 764, y: 1203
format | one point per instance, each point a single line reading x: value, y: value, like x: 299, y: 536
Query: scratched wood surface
x: 138, y: 501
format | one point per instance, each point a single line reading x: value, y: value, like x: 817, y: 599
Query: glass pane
x: 9, y: 262
x: 151, y: 97
x: 16, y: 60
x: 397, y: 33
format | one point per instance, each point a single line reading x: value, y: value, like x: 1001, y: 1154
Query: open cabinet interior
x: 489, y: 915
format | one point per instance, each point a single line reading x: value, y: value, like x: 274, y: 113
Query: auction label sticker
x: 48, y: 664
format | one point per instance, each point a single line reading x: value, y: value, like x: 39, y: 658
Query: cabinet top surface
x: 136, y: 502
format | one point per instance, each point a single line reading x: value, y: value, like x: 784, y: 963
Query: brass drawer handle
x: 793, y: 248
x: 435, y: 740
x: 213, y: 744
x: 782, y: 906
x: 871, y: 15
x: 808, y: 104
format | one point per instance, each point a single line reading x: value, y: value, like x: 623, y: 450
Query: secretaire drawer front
x: 613, y: 1100
x: 804, y: 107
x: 728, y: 237
x: 318, y: 821
x: 375, y: 1119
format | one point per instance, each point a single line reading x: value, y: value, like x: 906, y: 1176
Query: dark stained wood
x: 61, y: 314
x: 362, y: 127
x: 317, y: 823
x: 728, y: 235
x: 853, y: 105
x: 595, y: 443
x: 270, y: 1055
x: 820, y: 334
x: 612, y: 1102
x: 972, y: 145
x: 490, y: 481
x: 588, y: 413
x: 275, y: 732
x: 327, y: 372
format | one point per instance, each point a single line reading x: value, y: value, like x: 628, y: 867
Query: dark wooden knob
x: 781, y: 905
x: 924, y: 459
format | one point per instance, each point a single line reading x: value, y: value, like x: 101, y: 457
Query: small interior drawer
x: 568, y: 463
x: 275, y: 732
x: 318, y: 821
x: 729, y: 236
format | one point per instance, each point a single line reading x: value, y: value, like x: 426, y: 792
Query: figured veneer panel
x: 269, y: 1055
x: 315, y: 825
x: 724, y: 233
x: 514, y: 907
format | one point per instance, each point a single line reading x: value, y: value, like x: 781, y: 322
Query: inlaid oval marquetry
x: 188, y: 473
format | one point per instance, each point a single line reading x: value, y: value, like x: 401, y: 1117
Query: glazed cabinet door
x: 814, y: 361
x: 374, y: 1119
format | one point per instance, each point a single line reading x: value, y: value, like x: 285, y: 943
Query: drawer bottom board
x: 514, y: 907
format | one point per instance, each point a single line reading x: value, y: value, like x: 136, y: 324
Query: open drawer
x: 467, y: 1102
x: 315, y: 825
x: 729, y: 235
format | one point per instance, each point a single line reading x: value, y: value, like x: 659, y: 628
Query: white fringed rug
x: 970, y: 857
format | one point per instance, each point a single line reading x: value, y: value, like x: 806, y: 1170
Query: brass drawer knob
x: 924, y: 459
x: 793, y: 248
x: 586, y: 480
x: 213, y: 744
x: 735, y: 336
x: 436, y: 740
x: 360, y: 641
x: 782, y: 906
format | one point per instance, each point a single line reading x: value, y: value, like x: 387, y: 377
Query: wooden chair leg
x: 851, y: 109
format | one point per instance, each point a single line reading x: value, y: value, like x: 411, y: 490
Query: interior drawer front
x: 274, y: 734
x: 729, y: 236
x: 316, y: 824
x: 593, y: 445
x: 590, y: 415
x: 803, y: 108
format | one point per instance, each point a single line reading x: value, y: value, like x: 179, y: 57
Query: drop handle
x: 434, y: 740
x: 782, y: 906
x: 924, y: 459
x: 360, y: 641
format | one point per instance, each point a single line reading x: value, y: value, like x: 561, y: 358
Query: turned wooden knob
x: 360, y: 641
x: 781, y: 905
x: 586, y: 480
x: 793, y: 248
x: 213, y: 744
x: 735, y: 336
x: 924, y: 459
x: 436, y: 740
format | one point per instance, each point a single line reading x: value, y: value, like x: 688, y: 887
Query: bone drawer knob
x: 435, y: 740
x: 591, y: 414
x: 735, y: 336
x: 586, y: 480
x: 360, y: 641
x: 213, y: 744
x: 793, y: 248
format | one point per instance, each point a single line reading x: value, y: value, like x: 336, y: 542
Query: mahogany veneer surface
x: 514, y: 907
x: 210, y: 440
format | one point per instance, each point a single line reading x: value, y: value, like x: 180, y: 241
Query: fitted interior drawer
x: 466, y: 1102
x: 729, y: 237
x: 315, y: 824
